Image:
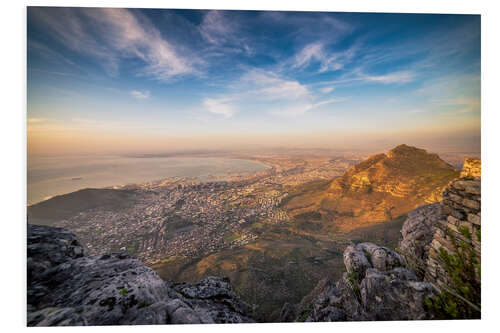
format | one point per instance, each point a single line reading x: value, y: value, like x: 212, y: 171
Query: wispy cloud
x: 219, y: 106
x: 223, y: 32
x: 270, y: 86
x: 280, y: 96
x: 327, y: 61
x: 215, y: 28
x: 327, y: 90
x: 311, y: 26
x: 111, y: 34
x: 460, y: 104
x: 140, y: 94
x: 395, y: 77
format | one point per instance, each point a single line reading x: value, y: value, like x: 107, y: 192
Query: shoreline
x: 235, y: 174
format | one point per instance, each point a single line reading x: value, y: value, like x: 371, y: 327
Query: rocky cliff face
x: 65, y: 287
x: 417, y: 234
x: 459, y: 221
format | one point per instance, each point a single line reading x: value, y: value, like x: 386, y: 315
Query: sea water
x: 55, y: 175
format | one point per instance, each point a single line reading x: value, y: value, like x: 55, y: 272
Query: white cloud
x: 265, y: 92
x: 294, y: 110
x: 315, y: 52
x: 219, y: 106
x: 396, y: 77
x: 224, y: 33
x: 269, y: 86
x: 111, y: 34
x: 310, y: 52
x: 327, y: 90
x: 215, y: 28
x: 273, y: 93
x: 140, y: 94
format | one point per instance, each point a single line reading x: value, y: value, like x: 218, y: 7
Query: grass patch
x: 231, y: 238
x: 124, y: 291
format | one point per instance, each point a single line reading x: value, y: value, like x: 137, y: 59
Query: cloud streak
x: 112, y: 34
x: 279, y: 96
x: 140, y: 94
x: 316, y: 53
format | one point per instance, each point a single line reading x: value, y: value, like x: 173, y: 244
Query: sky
x: 105, y: 80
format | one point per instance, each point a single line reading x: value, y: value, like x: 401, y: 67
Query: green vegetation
x: 313, y: 215
x: 124, y: 291
x: 175, y: 223
x: 354, y: 279
x: 462, y: 299
x: 231, y: 238
x: 143, y: 304
x: 304, y: 315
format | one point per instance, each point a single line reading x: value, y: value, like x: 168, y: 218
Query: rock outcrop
x: 471, y: 168
x: 65, y: 287
x: 376, y: 286
x: 460, y: 213
x: 417, y: 234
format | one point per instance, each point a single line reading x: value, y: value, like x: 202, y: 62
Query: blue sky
x: 118, y: 79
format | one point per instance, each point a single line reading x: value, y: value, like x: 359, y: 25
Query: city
x: 188, y: 217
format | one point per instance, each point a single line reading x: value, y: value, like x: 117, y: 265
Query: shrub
x: 462, y: 298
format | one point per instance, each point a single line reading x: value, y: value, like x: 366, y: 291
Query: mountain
x: 382, y: 187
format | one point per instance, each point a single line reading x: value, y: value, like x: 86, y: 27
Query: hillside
x: 383, y: 187
x: 67, y: 205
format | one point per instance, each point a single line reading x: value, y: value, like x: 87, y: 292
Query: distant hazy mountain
x: 381, y: 188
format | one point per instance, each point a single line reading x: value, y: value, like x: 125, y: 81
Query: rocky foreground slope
x: 65, y: 287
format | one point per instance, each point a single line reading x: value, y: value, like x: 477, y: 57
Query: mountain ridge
x: 382, y: 187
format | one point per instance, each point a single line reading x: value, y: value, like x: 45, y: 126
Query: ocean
x: 51, y: 176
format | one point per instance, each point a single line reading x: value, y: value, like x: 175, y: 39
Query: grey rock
x: 66, y: 288
x: 355, y: 260
x: 381, y: 289
x: 52, y: 316
x: 380, y: 257
x: 388, y: 297
x: 417, y: 234
x: 214, y: 298
x: 48, y: 247
x: 107, y: 286
x: 288, y: 313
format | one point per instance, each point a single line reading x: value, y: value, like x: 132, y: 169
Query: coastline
x: 189, y: 169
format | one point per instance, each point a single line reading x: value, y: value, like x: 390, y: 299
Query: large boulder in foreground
x: 376, y: 286
x: 67, y: 288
